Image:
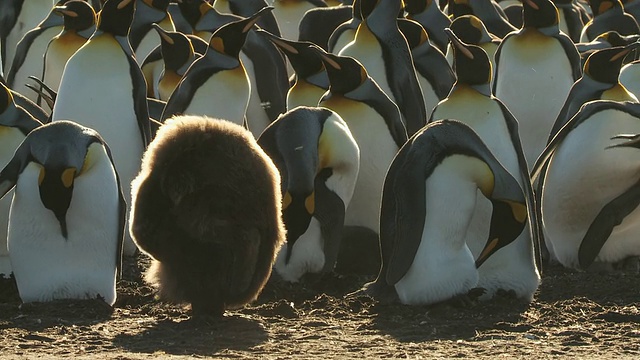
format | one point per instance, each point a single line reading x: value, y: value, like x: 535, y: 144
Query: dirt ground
x: 574, y: 314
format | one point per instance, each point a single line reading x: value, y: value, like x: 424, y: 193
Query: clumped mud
x: 574, y: 315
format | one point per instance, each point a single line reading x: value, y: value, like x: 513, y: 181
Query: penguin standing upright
x: 434, y: 73
x: 486, y: 10
x: 289, y: 13
x: 471, y: 102
x: 570, y: 18
x: 470, y: 30
x: 177, y: 54
x: 608, y: 15
x: 428, y: 202
x: 15, y: 124
x: 27, y: 59
x: 67, y: 215
x: 16, y: 19
x: 142, y: 37
x: 217, y: 84
x: 79, y: 25
x: 318, y: 24
x: 376, y: 124
x: 207, y: 207
x: 264, y: 64
x: 434, y: 21
x: 87, y: 96
x: 318, y: 160
x: 382, y: 49
x: 345, y: 32
x: 584, y: 226
x: 535, y: 69
x: 311, y: 81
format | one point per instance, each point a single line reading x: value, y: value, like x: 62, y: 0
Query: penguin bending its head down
x: 428, y: 201
x: 207, y: 207
x: 67, y: 217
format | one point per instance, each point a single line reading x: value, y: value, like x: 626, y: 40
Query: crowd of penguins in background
x: 452, y: 148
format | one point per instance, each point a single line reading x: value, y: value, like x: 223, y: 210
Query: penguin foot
x: 630, y: 265
x: 506, y: 294
x: 468, y: 300
x: 384, y: 293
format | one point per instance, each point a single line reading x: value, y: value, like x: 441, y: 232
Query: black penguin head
x: 230, y: 38
x: 60, y: 148
x: 470, y: 30
x: 192, y: 10
x: 539, y: 14
x: 458, y: 8
x: 416, y: 6
x: 158, y: 4
x: 471, y: 63
x: 78, y: 15
x: 176, y: 48
x: 345, y: 73
x: 413, y: 32
x: 599, y: 7
x: 116, y: 17
x: 604, y: 65
x: 305, y: 62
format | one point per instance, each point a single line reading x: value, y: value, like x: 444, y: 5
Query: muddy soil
x: 574, y: 315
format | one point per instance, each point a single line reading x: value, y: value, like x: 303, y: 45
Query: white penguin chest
x: 224, y: 95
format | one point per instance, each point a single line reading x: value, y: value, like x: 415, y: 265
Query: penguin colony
x: 451, y: 148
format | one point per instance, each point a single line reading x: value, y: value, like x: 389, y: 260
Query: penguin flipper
x: 22, y: 49
x: 610, y: 216
x: 534, y: 220
x: 403, y: 212
x: 572, y: 54
x: 9, y: 175
x: 122, y: 215
x: 330, y: 212
x: 140, y: 100
x: 406, y: 89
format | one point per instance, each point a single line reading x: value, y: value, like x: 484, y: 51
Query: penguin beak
x: 163, y: 34
x: 65, y: 11
x: 297, y: 211
x: 633, y: 140
x: 459, y: 45
x: 123, y: 4
x: 509, y: 214
x: 56, y: 188
x: 531, y: 4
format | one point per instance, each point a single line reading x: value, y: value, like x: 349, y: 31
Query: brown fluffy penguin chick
x: 207, y: 207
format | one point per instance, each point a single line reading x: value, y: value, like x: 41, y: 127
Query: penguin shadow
x: 196, y: 337
x: 453, y: 320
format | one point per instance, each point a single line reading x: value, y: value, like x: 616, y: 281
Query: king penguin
x: 87, y: 96
x: 432, y: 19
x: 382, y: 49
x: 318, y: 160
x: 264, y: 64
x: 318, y: 24
x: 428, y: 202
x: 434, y: 73
x: 289, y: 13
x: 79, y: 25
x: 142, y: 37
x: 376, y: 124
x: 177, y: 54
x: 345, y: 32
x: 471, y: 102
x: 608, y: 15
x: 630, y: 77
x: 67, y: 215
x: 217, y: 84
x: 535, y: 69
x: 310, y: 78
x: 207, y: 207
x: 16, y: 19
x: 27, y: 60
x: 570, y: 18
x: 15, y: 124
x: 470, y: 30
x: 486, y: 10
x: 584, y: 226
